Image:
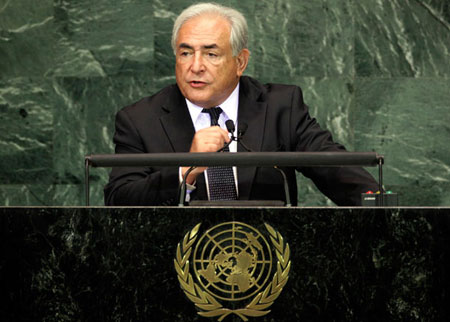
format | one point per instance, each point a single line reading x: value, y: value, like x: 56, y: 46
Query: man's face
x: 206, y: 70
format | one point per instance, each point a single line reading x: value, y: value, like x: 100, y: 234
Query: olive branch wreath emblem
x: 208, y: 304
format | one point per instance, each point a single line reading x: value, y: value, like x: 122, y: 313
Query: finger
x: 225, y: 135
x: 215, y: 131
x: 209, y: 139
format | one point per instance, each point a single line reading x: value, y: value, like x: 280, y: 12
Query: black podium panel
x: 117, y: 264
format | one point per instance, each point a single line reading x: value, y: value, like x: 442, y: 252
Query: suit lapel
x: 180, y: 131
x: 253, y: 113
x: 177, y: 122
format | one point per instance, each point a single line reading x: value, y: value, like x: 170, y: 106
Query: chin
x: 201, y: 103
x: 199, y: 100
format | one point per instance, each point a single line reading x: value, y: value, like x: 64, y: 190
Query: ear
x: 242, y: 61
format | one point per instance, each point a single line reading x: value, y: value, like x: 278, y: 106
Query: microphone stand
x: 182, y: 196
x: 241, y: 132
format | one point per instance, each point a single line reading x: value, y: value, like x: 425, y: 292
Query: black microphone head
x: 242, y: 128
x: 230, y: 126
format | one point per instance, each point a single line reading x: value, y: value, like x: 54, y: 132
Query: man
x: 210, y: 45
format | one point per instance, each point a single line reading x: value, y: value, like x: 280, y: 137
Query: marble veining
x: 375, y: 73
x: 95, y: 264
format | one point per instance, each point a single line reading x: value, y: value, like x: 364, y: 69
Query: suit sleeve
x: 343, y: 185
x: 138, y: 186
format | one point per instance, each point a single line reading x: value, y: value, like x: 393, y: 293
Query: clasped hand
x: 209, y: 139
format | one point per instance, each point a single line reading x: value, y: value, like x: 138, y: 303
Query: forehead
x: 204, y: 30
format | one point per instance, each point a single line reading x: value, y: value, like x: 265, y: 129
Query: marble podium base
x: 117, y: 264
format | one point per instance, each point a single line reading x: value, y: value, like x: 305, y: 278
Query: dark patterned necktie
x: 220, y: 179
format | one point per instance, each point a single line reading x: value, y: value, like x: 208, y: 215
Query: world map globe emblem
x: 232, y: 261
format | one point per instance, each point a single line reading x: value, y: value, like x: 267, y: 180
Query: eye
x: 184, y: 52
x: 212, y: 56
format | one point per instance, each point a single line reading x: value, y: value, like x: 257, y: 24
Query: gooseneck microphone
x: 230, y: 126
x: 242, y: 128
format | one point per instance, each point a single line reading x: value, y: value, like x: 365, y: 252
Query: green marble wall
x: 376, y: 73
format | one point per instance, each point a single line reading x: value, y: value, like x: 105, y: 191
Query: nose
x: 198, y: 65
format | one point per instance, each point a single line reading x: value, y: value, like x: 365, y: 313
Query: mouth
x: 197, y: 84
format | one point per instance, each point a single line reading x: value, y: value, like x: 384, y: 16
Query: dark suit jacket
x: 277, y: 119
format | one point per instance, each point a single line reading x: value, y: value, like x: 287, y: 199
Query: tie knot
x: 214, y: 113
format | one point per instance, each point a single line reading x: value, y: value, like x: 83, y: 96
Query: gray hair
x: 239, y: 28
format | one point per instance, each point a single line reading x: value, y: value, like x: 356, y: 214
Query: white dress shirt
x: 202, y: 120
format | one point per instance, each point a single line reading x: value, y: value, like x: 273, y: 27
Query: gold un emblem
x: 232, y: 263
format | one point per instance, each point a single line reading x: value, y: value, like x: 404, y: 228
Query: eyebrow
x: 210, y: 46
x: 184, y: 45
